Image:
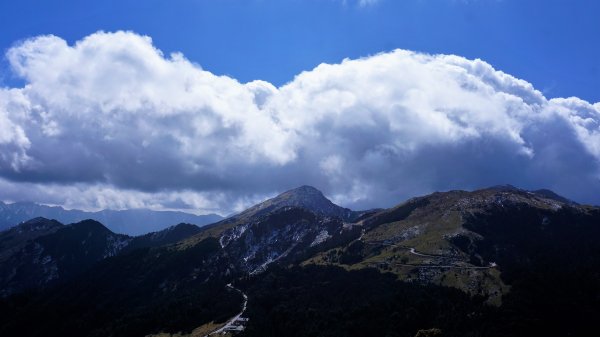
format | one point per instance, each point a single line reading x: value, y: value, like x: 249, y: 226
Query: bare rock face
x: 287, y: 233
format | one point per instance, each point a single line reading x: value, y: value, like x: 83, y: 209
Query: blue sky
x: 550, y: 43
x: 371, y: 101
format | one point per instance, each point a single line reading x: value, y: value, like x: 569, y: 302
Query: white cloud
x: 360, y: 3
x: 364, y: 3
x: 112, y: 122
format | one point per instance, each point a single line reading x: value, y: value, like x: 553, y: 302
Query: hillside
x: 494, y: 262
x: 303, y: 197
x: 40, y: 252
x: 435, y: 239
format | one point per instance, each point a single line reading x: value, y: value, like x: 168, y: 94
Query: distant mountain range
x: 500, y: 261
x: 129, y: 222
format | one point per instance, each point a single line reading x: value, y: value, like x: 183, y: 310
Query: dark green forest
x: 145, y: 291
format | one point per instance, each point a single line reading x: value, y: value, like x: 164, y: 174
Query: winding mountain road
x: 432, y: 266
x: 231, y: 323
x: 413, y: 251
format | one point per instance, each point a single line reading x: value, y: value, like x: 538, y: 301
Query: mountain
x: 130, y: 222
x: 306, y: 197
x: 284, y: 227
x: 285, y: 234
x: 142, y: 221
x: 500, y: 261
x: 164, y: 237
x: 438, y: 238
x: 140, y: 284
x: 527, y: 262
x: 551, y: 195
x: 41, y: 252
x: 133, y: 293
x: 17, y: 237
x: 60, y: 253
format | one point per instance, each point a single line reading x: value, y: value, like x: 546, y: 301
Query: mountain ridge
x: 511, y: 262
x: 130, y: 222
x: 42, y: 252
x: 305, y: 196
x: 429, y: 238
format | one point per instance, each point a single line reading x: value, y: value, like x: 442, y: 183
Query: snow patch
x: 321, y: 237
x: 115, y: 244
x: 232, y: 234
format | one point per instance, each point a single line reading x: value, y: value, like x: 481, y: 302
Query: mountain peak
x: 505, y: 188
x: 38, y: 224
x: 305, y: 196
x: 305, y: 189
x: 90, y: 225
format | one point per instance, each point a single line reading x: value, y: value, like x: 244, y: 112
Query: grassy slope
x: 433, y: 225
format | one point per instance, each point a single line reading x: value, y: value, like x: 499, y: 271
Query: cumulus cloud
x: 112, y: 122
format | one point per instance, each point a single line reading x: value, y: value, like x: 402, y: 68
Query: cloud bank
x: 112, y: 122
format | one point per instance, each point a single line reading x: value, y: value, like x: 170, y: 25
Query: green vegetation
x: 493, y: 263
x: 144, y: 292
x: 329, y: 301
